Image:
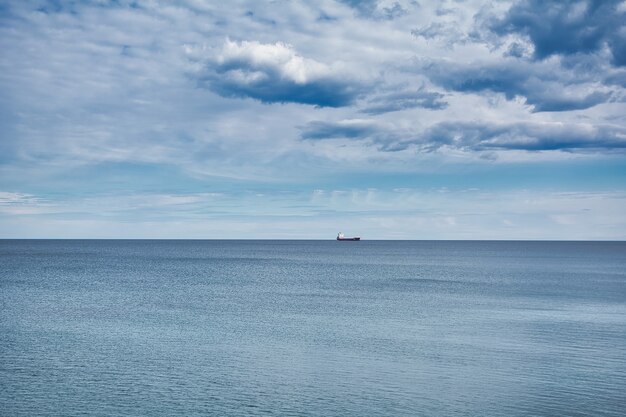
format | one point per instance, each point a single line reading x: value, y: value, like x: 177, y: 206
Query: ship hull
x: 349, y: 238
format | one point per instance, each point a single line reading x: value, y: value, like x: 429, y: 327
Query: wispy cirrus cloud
x: 9, y: 198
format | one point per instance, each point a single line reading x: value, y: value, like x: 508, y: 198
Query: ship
x: 340, y: 236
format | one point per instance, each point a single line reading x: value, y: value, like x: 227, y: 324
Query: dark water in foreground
x: 312, y: 328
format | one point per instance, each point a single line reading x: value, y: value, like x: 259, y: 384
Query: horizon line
x: 316, y: 240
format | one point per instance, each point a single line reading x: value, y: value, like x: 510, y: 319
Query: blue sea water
x: 162, y: 328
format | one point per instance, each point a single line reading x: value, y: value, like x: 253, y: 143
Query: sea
x: 312, y: 328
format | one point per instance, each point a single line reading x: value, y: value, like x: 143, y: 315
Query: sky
x: 391, y: 119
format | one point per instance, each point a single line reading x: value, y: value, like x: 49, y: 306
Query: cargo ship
x: 340, y: 236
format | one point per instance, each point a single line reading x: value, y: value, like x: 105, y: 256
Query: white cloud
x: 280, y: 56
x: 275, y: 73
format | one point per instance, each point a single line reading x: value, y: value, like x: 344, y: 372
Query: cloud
x: 524, y: 136
x: 516, y: 50
x: 377, y: 9
x: 9, y: 198
x: 447, y: 32
x: 546, y: 86
x: 476, y: 136
x: 383, y: 137
x: 276, y: 73
x: 404, y: 100
x: 432, y: 31
x: 567, y: 27
x: 617, y: 78
x: 353, y: 129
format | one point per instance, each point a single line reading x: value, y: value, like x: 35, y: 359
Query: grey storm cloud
x: 275, y: 73
x: 566, y: 27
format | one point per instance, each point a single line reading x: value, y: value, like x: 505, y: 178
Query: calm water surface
x: 365, y: 328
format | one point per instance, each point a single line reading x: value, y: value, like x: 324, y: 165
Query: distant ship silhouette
x: 340, y: 236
